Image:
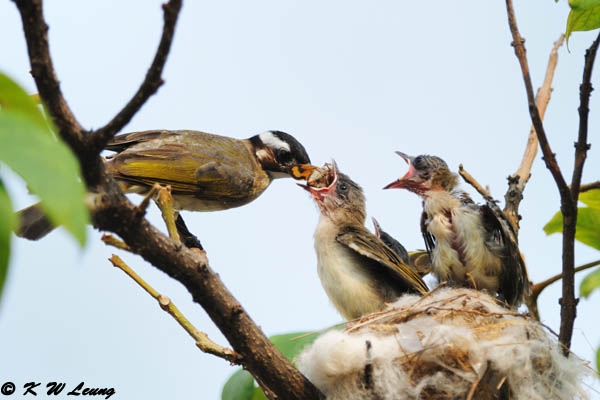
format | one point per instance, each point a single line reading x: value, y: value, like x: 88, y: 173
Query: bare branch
x: 581, y: 146
x: 537, y: 289
x: 110, y: 240
x: 589, y: 186
x: 42, y: 69
x: 115, y: 213
x: 202, y: 340
x: 149, y: 86
x: 473, y: 182
x: 519, y: 179
x: 568, y: 205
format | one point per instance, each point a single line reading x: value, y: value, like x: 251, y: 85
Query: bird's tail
x: 33, y: 223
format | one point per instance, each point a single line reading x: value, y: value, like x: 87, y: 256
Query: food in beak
x: 319, y: 180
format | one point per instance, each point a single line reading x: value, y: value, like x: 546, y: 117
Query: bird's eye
x: 343, y: 187
x: 283, y: 156
x: 418, y: 162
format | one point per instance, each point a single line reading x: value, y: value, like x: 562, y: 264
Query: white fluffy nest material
x: 450, y: 344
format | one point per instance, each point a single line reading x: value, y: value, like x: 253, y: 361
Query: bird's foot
x: 164, y: 201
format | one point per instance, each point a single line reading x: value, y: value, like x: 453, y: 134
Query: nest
x: 449, y: 344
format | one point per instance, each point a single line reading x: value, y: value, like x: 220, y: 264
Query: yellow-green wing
x: 368, y: 245
x: 191, y: 162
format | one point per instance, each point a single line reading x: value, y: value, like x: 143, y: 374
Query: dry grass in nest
x: 449, y: 344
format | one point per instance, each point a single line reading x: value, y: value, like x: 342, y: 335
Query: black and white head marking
x: 278, y: 151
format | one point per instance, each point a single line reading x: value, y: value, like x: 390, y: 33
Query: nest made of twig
x: 449, y: 344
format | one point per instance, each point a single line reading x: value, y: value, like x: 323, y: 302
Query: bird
x: 206, y: 172
x: 470, y: 245
x: 359, y: 273
x: 418, y: 259
x: 390, y: 242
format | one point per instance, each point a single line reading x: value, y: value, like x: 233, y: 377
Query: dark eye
x: 418, y: 162
x: 343, y: 187
x: 283, y: 156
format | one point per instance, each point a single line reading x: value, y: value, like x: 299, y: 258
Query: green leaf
x: 584, y: 16
x: 589, y: 283
x: 49, y: 168
x: 7, y: 224
x: 12, y: 97
x: 555, y: 225
x: 240, y: 386
x: 588, y: 221
x: 598, y: 360
x: 591, y: 198
x: 259, y: 394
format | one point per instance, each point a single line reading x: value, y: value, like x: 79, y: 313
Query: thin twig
x: 586, y: 187
x: 589, y: 186
x: 568, y: 310
x: 568, y: 205
x: 202, y: 340
x: 473, y: 182
x: 149, y: 86
x: 518, y: 180
x: 537, y: 289
x: 42, y: 70
x: 110, y: 240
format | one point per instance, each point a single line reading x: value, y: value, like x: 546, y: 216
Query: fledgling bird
x: 470, y: 245
x: 206, y: 172
x: 357, y: 270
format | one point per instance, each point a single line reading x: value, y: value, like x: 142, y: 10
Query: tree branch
x: 518, y: 180
x: 589, y: 186
x: 473, y: 182
x: 567, y: 204
x: 115, y: 213
x: 42, y: 70
x: 537, y: 289
x: 202, y: 340
x: 149, y: 86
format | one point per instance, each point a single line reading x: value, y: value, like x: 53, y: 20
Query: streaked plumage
x: 470, y: 245
x: 357, y: 270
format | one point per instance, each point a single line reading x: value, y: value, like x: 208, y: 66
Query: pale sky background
x: 353, y: 81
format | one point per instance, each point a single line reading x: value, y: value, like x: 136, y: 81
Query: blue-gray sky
x: 353, y: 81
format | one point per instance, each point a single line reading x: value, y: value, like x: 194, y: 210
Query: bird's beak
x: 317, y: 179
x: 401, y: 182
x: 376, y: 226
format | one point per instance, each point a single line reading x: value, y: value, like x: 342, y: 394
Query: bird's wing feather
x: 210, y: 166
x: 123, y: 141
x: 420, y: 260
x: 513, y: 280
x: 428, y: 237
x: 367, y: 245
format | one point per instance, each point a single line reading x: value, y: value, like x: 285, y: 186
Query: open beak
x: 305, y: 172
x: 401, y: 182
x: 376, y: 226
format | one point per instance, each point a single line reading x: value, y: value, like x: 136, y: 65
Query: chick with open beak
x: 359, y: 273
x: 470, y: 245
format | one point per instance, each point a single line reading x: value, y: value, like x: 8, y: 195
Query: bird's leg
x: 151, y: 193
x: 164, y: 201
x: 187, y: 238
